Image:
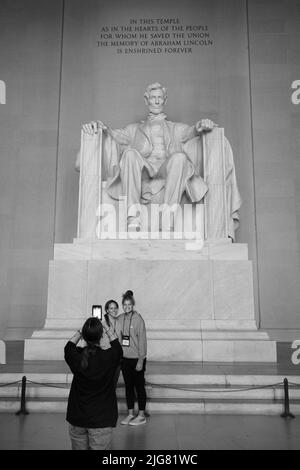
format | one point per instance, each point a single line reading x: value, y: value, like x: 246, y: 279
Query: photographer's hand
x: 108, y: 330
x: 105, y: 324
x: 76, y: 337
x: 111, y: 334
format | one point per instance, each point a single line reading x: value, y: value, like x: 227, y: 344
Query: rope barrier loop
x: 285, y: 383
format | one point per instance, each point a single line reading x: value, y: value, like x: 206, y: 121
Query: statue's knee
x: 129, y: 157
x: 178, y: 158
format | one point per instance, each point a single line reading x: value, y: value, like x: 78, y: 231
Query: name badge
x: 125, y: 340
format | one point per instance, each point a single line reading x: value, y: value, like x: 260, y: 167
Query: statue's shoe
x: 134, y: 228
x: 134, y: 224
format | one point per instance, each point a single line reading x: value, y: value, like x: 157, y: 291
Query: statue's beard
x: 156, y: 116
x: 156, y: 110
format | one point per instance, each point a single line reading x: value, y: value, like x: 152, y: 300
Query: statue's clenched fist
x: 94, y: 127
x: 205, y: 125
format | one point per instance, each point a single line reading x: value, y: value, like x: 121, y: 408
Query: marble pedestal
x: 197, y: 302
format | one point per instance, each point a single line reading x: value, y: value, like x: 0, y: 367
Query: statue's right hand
x: 93, y: 127
x: 90, y: 128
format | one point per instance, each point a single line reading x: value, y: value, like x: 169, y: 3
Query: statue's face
x: 156, y: 101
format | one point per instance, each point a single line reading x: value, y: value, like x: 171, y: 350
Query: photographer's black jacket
x: 92, y: 400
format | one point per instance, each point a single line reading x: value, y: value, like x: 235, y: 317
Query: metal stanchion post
x: 23, y: 410
x: 286, y: 413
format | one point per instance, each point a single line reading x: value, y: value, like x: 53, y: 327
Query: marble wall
x: 274, y: 34
x: 248, y: 94
x: 30, y: 50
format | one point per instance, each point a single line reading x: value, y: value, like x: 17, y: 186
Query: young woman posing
x: 131, y: 330
x: 111, y: 314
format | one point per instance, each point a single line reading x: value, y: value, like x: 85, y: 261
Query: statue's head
x: 155, y: 98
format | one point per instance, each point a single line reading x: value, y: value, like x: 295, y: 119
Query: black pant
x: 134, y: 381
x: 116, y: 377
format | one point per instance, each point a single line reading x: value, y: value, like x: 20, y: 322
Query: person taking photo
x: 92, y: 411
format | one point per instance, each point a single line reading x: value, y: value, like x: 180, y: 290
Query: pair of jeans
x: 90, y: 438
x: 134, y: 382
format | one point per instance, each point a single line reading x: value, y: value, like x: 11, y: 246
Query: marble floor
x: 162, y: 432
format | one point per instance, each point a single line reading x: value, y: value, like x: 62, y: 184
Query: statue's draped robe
x: 179, y: 138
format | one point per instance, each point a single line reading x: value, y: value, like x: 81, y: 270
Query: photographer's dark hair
x: 106, y: 307
x: 92, y: 331
x: 128, y: 296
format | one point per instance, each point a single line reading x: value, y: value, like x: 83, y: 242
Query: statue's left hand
x: 205, y: 125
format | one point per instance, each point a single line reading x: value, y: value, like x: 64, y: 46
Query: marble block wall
x: 169, y: 294
x: 196, y: 308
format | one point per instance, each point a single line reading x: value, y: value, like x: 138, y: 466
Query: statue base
x: 196, y: 299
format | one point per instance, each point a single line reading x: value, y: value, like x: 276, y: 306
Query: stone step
x: 176, y: 326
x: 172, y: 387
x: 148, y: 248
x: 168, y: 334
x: 193, y: 406
x: 175, y: 347
x: 192, y: 376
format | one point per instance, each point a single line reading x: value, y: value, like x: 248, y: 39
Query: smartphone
x: 97, y: 311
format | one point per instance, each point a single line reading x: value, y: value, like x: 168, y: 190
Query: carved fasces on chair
x: 89, y: 185
x: 222, y: 200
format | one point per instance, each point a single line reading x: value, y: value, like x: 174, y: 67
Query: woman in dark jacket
x: 92, y: 406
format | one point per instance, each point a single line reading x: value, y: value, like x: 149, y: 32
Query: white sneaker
x: 127, y: 419
x: 138, y: 420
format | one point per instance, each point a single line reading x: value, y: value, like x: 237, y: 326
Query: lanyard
x: 129, y: 324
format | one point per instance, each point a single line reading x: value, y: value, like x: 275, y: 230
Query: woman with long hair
x: 111, y: 312
x: 92, y: 405
x: 132, y: 334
